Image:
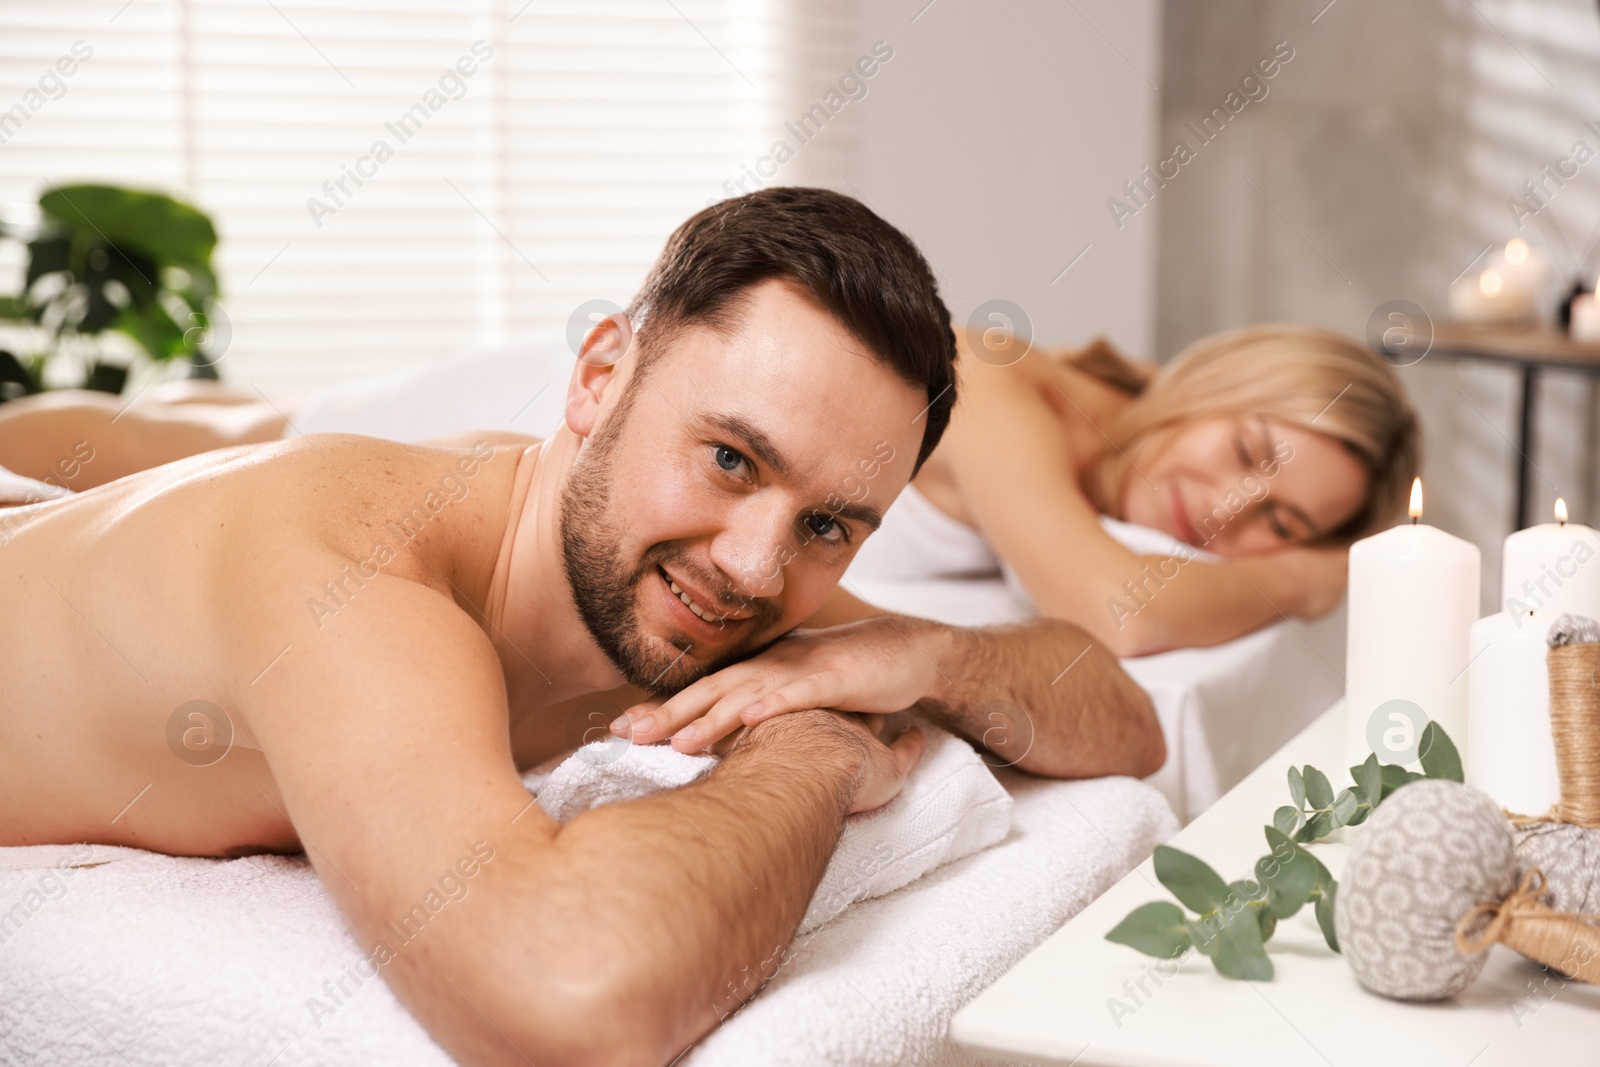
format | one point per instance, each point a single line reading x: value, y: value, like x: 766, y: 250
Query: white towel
x: 951, y: 806
x: 117, y: 956
x: 877, y: 986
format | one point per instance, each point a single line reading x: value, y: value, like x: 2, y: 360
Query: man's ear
x: 604, y: 346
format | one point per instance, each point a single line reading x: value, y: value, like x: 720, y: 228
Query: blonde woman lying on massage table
x: 1272, y: 447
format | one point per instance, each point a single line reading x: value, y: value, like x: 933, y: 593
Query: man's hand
x: 883, y: 766
x: 884, y: 664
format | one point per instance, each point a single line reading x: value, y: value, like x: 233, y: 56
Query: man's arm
x: 1041, y: 694
x: 618, y: 938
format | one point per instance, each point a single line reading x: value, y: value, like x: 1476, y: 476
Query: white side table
x: 1080, y: 999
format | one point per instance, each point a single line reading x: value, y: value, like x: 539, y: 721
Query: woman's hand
x: 1316, y: 579
x: 878, y: 665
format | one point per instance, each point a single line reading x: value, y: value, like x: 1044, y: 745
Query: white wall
x: 994, y: 137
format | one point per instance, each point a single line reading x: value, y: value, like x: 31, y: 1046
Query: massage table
x: 143, y: 959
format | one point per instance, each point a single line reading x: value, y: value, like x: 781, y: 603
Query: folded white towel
x: 951, y: 807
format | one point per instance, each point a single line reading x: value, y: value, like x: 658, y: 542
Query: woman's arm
x: 1013, y: 463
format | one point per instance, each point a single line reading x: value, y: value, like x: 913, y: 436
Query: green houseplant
x: 101, y: 258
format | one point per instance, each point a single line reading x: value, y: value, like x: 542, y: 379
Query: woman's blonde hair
x: 1305, y: 375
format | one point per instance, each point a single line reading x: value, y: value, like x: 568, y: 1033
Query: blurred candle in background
x: 1413, y: 600
x: 1510, y: 754
x: 1551, y: 568
x: 1585, y: 324
x: 1485, y: 297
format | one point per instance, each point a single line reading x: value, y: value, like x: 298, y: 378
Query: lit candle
x: 1551, y: 568
x: 1487, y: 298
x: 1510, y: 754
x: 1413, y: 600
x: 1523, y: 267
x: 1585, y: 324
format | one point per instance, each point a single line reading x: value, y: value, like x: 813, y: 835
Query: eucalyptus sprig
x: 1234, y: 920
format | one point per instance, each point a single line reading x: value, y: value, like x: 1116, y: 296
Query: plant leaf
x: 1318, y: 826
x: 1287, y: 819
x: 1239, y: 951
x: 1158, y: 928
x: 1191, y: 880
x: 1287, y: 873
x: 1344, y: 808
x: 1318, y: 789
x: 1395, y: 776
x: 1297, y: 787
x: 1325, y: 905
x: 1438, y: 754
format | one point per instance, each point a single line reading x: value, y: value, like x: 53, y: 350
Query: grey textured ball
x: 1569, y: 858
x: 1430, y: 853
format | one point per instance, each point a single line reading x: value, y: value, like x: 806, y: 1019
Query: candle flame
x: 1516, y: 251
x: 1561, y: 511
x: 1416, y: 499
x: 1490, y: 282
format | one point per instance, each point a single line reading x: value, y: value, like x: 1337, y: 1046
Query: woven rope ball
x: 1430, y: 854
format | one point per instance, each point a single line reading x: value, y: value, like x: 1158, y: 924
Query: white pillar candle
x: 1413, y: 600
x: 1553, y: 567
x: 1585, y: 325
x: 1511, y: 755
x: 1485, y: 297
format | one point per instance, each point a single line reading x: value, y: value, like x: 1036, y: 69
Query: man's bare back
x: 137, y: 617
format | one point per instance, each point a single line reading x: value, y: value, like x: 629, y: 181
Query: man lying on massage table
x: 385, y: 634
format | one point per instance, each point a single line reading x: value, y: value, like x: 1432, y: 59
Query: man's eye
x: 826, y: 527
x: 727, y: 458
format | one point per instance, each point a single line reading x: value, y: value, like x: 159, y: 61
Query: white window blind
x: 396, y: 179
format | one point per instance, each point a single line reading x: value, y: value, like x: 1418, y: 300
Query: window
x: 395, y: 180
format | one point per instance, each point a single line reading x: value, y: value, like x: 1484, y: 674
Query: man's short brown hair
x: 858, y: 268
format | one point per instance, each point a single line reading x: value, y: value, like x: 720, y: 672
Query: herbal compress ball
x: 1434, y: 850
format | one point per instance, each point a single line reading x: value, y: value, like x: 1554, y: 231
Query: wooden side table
x: 1080, y: 999
x: 1529, y: 348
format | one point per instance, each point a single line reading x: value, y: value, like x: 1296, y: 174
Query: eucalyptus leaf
x: 1344, y: 808
x: 1369, y: 776
x: 1325, y: 906
x: 1318, y: 826
x: 1438, y: 754
x: 1318, y: 789
x: 1158, y: 928
x: 1239, y: 951
x: 1287, y: 819
x: 1297, y: 787
x: 1395, y: 776
x: 1191, y: 880
x: 1287, y: 872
